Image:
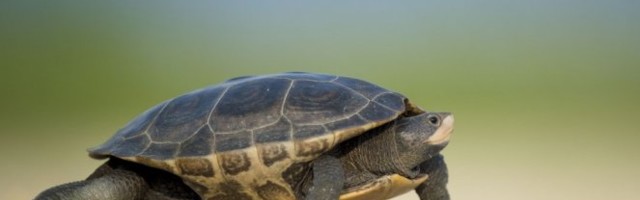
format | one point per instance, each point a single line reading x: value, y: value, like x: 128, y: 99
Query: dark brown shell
x: 253, y: 122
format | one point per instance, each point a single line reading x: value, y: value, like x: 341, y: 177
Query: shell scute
x: 184, y: 115
x: 376, y: 112
x: 232, y: 141
x: 249, y: 105
x: 198, y: 144
x: 364, y: 88
x: 273, y: 153
x: 391, y: 100
x: 131, y: 139
x: 277, y: 132
x: 195, y: 167
x: 308, y: 131
x: 320, y: 102
x: 160, y: 151
x: 347, y: 123
x: 131, y: 146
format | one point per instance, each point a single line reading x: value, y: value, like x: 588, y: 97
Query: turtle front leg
x: 328, y: 179
x: 115, y: 184
x: 435, y: 188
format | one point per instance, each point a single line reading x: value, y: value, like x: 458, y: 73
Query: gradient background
x: 546, y: 93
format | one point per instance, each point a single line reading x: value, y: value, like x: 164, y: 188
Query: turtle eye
x: 433, y: 120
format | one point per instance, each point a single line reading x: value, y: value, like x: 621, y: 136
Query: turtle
x: 291, y: 135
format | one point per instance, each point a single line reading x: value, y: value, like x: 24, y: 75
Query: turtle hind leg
x: 328, y: 179
x: 435, y: 188
x: 122, y: 180
x: 114, y: 185
x: 161, y: 185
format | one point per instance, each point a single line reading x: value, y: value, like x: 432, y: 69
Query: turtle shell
x: 249, y: 136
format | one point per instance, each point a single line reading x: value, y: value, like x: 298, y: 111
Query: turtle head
x: 421, y: 137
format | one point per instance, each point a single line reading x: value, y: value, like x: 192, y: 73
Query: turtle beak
x: 443, y: 133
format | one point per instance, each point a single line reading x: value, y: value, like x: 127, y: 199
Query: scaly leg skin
x: 328, y: 179
x: 116, y: 185
x: 435, y: 188
x: 123, y: 180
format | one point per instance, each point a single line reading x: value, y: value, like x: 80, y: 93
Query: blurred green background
x: 546, y: 93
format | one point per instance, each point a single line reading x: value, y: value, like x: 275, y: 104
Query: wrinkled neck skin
x: 382, y: 152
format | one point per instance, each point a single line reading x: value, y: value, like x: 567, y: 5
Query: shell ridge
x: 290, y: 126
x: 178, y: 151
x: 283, y: 78
x: 253, y: 141
x: 380, y: 94
x: 147, y: 146
x: 215, y: 106
x: 310, y: 80
x: 385, y: 106
x: 254, y: 146
x: 146, y: 130
x: 334, y: 79
x: 357, y: 112
x: 153, y: 121
x: 351, y: 89
x: 213, y: 133
x: 267, y: 125
x: 284, y: 100
x: 286, y: 96
x: 219, y: 163
x: 165, y: 142
x: 361, y: 117
x: 193, y: 134
x: 333, y: 136
x: 213, y: 137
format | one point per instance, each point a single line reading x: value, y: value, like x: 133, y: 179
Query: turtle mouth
x: 443, y: 133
